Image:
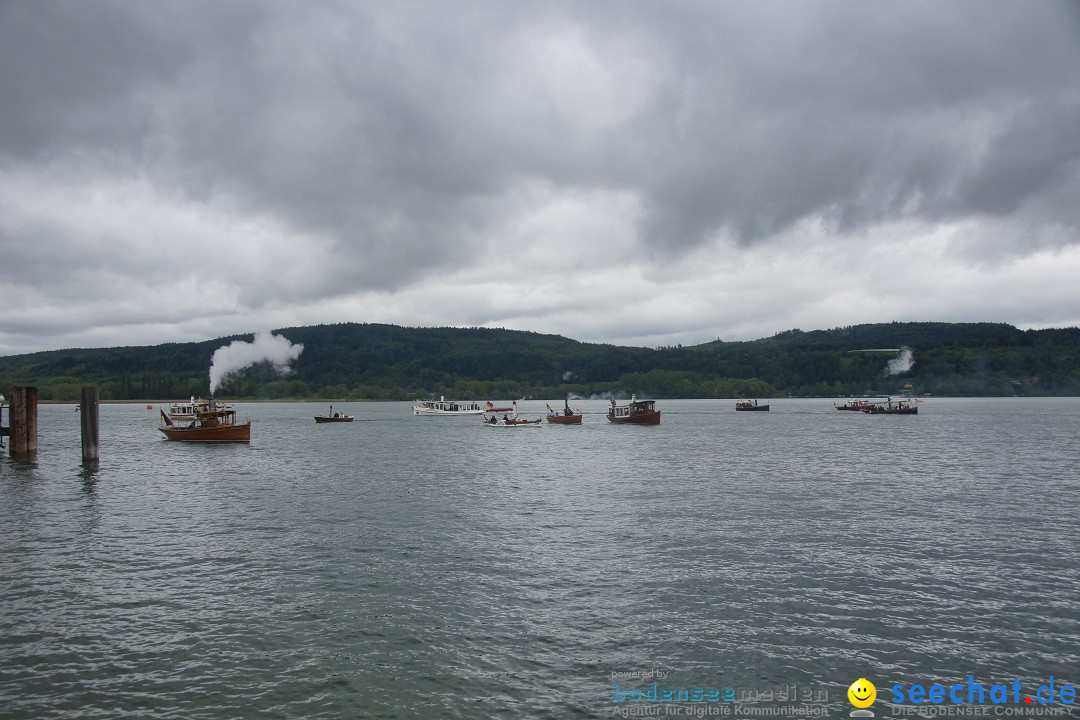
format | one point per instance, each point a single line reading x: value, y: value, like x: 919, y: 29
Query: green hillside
x: 371, y: 361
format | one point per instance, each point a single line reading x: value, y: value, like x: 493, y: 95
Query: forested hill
x: 370, y: 361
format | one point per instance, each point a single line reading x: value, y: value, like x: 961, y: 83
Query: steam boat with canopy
x: 854, y: 405
x: 638, y: 412
x: 893, y: 407
x: 751, y: 405
x: 509, y: 420
x: 215, y: 424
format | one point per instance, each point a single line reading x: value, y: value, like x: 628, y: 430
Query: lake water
x: 404, y: 567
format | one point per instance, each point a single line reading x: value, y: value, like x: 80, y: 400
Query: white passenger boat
x: 442, y: 406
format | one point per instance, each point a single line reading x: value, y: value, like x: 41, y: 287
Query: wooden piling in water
x: 88, y: 423
x: 23, y: 409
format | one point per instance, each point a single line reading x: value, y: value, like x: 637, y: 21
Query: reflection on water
x: 88, y: 472
x: 429, y: 567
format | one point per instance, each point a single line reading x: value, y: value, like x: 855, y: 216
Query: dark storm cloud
x: 863, y: 113
x: 310, y: 151
x: 338, y: 116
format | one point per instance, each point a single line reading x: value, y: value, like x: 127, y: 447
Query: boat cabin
x: 634, y: 408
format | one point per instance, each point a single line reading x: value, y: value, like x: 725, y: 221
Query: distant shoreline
x: 227, y: 400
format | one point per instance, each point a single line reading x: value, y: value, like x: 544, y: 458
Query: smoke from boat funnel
x: 903, y: 362
x: 239, y: 354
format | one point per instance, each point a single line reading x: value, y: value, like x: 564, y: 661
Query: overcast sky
x: 638, y: 173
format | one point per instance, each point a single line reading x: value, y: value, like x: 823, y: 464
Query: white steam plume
x: 239, y: 354
x: 903, y: 362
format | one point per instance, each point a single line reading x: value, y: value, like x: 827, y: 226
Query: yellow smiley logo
x: 862, y: 693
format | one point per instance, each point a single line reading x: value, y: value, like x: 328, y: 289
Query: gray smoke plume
x: 239, y: 354
x: 903, y: 362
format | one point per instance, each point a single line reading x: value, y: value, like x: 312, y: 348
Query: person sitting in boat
x: 492, y: 420
x: 506, y: 420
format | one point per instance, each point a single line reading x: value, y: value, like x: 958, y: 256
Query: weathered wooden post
x: 88, y: 421
x: 23, y: 420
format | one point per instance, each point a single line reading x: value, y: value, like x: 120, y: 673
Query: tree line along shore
x: 358, y: 361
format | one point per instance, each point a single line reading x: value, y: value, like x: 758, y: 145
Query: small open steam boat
x: 506, y: 421
x: 333, y: 417
x: 566, y: 417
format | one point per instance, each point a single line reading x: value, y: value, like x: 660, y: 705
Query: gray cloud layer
x: 190, y: 169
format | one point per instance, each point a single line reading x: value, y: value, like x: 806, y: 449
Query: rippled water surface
x: 430, y: 567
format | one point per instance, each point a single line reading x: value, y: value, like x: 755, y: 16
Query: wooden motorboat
x: 751, y: 405
x: 637, y: 412
x: 209, y: 426
x: 333, y: 417
x: 566, y: 417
